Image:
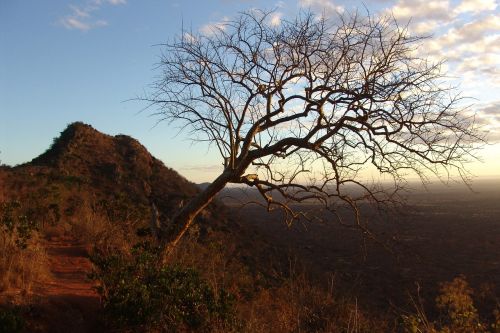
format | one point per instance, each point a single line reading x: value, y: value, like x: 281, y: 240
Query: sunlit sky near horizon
x: 86, y: 60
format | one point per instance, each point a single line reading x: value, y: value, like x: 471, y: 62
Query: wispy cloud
x: 325, y: 7
x: 189, y: 38
x: 82, y: 25
x: 475, y: 6
x: 117, y: 2
x: 82, y: 17
x: 213, y: 27
x: 202, y: 167
x: 488, y: 116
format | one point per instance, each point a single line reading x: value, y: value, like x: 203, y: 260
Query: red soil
x: 69, y: 265
x: 68, y: 301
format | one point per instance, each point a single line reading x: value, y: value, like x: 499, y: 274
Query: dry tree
x: 303, y: 110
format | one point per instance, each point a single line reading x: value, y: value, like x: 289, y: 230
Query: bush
x: 23, y: 259
x: 15, y: 227
x: 137, y: 292
x: 458, y: 313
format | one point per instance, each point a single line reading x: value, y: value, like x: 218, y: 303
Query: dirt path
x: 68, y: 302
x: 70, y: 265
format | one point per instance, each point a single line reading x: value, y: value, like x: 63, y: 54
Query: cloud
x: 80, y: 12
x: 490, y: 109
x: 211, y: 28
x: 488, y: 116
x: 485, y: 63
x: 473, y: 31
x: 325, y: 7
x: 465, y: 33
x: 493, y: 137
x: 471, y: 48
x: 75, y: 23
x: 434, y: 10
x: 280, y: 4
x: 111, y: 2
x: 475, y: 6
x: 438, y: 10
x: 202, y: 167
x: 425, y: 27
x: 189, y: 38
x: 275, y: 19
x: 82, y: 17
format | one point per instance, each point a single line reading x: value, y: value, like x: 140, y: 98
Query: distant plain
x: 442, y: 232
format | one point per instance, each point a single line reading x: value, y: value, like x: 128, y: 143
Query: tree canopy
x: 303, y: 110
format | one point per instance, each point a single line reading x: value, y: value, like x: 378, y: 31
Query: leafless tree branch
x: 302, y: 110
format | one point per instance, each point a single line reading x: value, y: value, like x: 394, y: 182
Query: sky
x: 88, y: 60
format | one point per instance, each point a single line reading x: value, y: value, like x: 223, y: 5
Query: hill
x: 114, y: 165
x: 85, y: 166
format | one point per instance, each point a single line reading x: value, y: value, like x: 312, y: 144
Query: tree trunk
x: 170, y: 235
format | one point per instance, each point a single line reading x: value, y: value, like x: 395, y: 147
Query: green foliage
x: 11, y: 320
x: 136, y: 291
x: 15, y: 224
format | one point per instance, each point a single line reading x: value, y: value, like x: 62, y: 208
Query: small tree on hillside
x: 302, y: 110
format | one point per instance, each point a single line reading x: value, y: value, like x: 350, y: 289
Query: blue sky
x: 84, y: 60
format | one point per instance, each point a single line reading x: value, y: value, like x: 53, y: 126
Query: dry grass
x: 299, y: 305
x: 215, y: 260
x: 286, y: 302
x: 96, y: 229
x: 21, y: 267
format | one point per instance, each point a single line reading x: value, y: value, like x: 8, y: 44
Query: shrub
x: 458, y: 313
x: 23, y: 259
x: 457, y: 307
x: 16, y: 227
x: 138, y: 292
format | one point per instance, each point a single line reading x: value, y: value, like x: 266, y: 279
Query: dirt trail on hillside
x: 68, y: 301
x: 69, y: 265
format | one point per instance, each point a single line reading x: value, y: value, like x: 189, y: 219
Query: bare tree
x: 304, y: 109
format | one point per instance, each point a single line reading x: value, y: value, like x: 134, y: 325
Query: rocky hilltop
x: 113, y: 164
